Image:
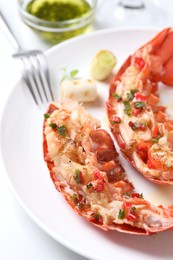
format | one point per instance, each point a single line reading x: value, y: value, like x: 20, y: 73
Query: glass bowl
x: 58, y: 20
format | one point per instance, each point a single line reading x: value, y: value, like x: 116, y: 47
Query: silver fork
x: 35, y: 69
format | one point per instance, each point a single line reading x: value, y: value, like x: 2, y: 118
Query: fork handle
x: 7, y: 30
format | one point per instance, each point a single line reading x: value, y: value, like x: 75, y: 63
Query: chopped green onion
x: 141, y: 196
x: 127, y: 194
x: 53, y: 125
x: 121, y: 214
x: 46, y: 116
x: 89, y: 185
x: 81, y: 205
x: 133, y: 209
x: 130, y: 96
x: 77, y: 176
x: 127, y: 108
x: 138, y: 126
x: 74, y: 198
x: 133, y: 91
x: 62, y: 130
x: 155, y: 140
x: 116, y: 123
x: 139, y: 104
x: 117, y: 97
x: 96, y: 216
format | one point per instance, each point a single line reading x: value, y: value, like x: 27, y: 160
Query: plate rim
x: 67, y: 244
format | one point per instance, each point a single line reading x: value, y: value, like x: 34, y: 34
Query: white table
x: 20, y: 238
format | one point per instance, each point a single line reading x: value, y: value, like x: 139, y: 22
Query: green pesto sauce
x: 58, y: 10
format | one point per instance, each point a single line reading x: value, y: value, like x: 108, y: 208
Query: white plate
x: 21, y: 146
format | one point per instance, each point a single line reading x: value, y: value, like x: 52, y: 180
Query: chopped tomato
x: 154, y: 163
x: 100, y: 185
x: 138, y: 126
x: 152, y: 100
x: 116, y: 120
x: 135, y: 195
x: 97, y: 174
x: 100, y: 181
x: 156, y: 131
x: 150, y: 164
x: 142, y: 151
x: 82, y: 178
x: 157, y: 164
x: 136, y: 111
x: 139, y: 61
x: 130, y: 211
x: 96, y: 218
x: 126, y: 205
x: 140, y: 97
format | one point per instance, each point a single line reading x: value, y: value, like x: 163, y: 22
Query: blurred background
x: 109, y: 14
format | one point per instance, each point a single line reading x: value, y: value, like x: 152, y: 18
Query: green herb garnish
x: 139, y: 104
x: 155, y: 140
x: 46, y: 116
x: 141, y: 196
x: 73, y: 73
x: 133, y: 210
x: 117, y: 97
x: 78, y: 176
x: 62, y: 130
x: 89, y: 185
x: 127, y: 108
x: 130, y: 96
x: 96, y: 216
x: 133, y: 91
x: 68, y: 75
x: 74, y: 198
x: 81, y: 205
x: 121, y: 214
x: 127, y: 194
x: 53, y: 125
x: 139, y: 125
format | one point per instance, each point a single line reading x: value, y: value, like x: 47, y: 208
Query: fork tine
x: 42, y: 78
x: 36, y: 74
x: 43, y: 63
x: 29, y: 85
x: 31, y: 77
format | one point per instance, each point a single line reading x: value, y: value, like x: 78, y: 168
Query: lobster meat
x: 139, y: 124
x: 85, y: 168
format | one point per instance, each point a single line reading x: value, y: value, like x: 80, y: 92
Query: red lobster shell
x: 138, y: 123
x: 84, y: 167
